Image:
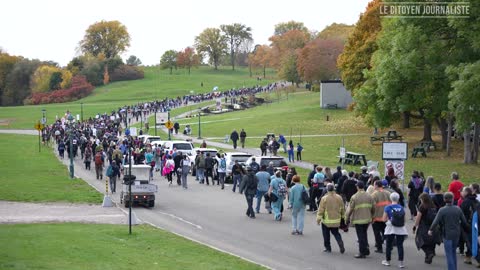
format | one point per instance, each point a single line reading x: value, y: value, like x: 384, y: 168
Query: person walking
x: 425, y: 216
x: 312, y: 206
x: 243, y: 136
x: 349, y: 187
x: 452, y: 221
x: 297, y: 204
x: 469, y: 206
x: 329, y: 215
x: 263, y: 147
x: 263, y: 184
x: 222, y: 170
x: 209, y: 162
x: 113, y: 172
x: 359, y: 213
x: 237, y: 172
x: 249, y: 186
x: 254, y: 165
x: 395, y: 230
x: 234, y: 137
x: 200, y: 164
x: 283, y: 142
x: 415, y: 188
x: 277, y: 192
x: 99, y: 160
x: 169, y: 168
x: 88, y: 156
x: 381, y: 198
x: 455, y: 187
x: 186, y: 163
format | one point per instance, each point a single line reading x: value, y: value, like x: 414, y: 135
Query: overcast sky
x: 51, y: 29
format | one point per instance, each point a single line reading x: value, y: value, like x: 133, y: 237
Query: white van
x: 148, y: 138
x: 181, y: 146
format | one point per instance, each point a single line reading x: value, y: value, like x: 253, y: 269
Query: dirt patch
x: 19, y: 212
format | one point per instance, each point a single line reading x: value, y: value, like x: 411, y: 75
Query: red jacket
x: 455, y: 187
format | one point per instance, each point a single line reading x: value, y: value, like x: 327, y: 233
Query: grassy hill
x: 157, y: 84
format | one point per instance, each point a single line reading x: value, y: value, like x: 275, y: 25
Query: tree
x: 41, y: 79
x: 169, y: 60
x: 288, y: 69
x: 66, y: 79
x: 188, y: 59
x: 55, y: 80
x: 133, y: 61
x: 283, y: 28
x: 18, y: 82
x: 213, y: 43
x: 317, y: 60
x: 7, y: 62
x: 339, y: 31
x: 109, y: 38
x: 261, y: 57
x: 236, y: 34
x: 360, y: 46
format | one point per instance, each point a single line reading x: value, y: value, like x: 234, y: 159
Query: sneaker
x: 401, y: 265
x: 386, y: 263
x: 294, y: 232
x: 299, y: 233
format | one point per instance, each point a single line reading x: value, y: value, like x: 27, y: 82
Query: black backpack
x: 305, y: 196
x: 398, y: 217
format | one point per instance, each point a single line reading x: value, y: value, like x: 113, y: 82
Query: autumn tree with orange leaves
x: 188, y: 59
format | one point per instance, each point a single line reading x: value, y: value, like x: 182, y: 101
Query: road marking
x: 181, y: 219
x: 210, y: 246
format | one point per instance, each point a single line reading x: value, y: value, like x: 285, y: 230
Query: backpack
x: 305, y: 196
x: 109, y: 171
x: 282, y: 189
x: 223, y: 164
x: 98, y: 159
x: 398, y: 217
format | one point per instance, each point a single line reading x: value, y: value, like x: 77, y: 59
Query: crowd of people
x: 341, y: 199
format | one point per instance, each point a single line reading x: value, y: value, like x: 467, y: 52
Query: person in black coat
x: 337, y: 175
x: 349, y: 187
x: 249, y: 186
x: 177, y: 160
x: 234, y: 137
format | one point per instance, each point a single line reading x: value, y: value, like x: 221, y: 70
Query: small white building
x: 334, y: 94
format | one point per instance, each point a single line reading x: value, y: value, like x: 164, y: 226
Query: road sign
x: 38, y: 126
x: 162, y: 117
x: 398, y: 167
x: 169, y: 124
x: 342, y: 152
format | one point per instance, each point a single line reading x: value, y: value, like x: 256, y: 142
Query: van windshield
x: 240, y: 158
x: 277, y: 162
x: 182, y: 146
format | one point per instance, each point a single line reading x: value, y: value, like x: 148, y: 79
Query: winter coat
x: 361, y: 208
x: 331, y: 210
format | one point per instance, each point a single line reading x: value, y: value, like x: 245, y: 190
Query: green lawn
x: 28, y: 175
x: 85, y: 246
x: 157, y: 84
x: 301, y: 114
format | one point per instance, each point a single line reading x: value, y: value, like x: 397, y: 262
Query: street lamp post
x: 168, y: 129
x: 155, y: 121
x: 199, y: 123
x: 70, y: 118
x: 81, y: 111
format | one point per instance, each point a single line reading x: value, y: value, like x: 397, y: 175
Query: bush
x: 80, y: 88
x: 126, y: 73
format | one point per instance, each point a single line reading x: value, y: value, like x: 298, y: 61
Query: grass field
x: 83, y: 246
x: 28, y: 175
x: 301, y: 114
x: 157, y: 84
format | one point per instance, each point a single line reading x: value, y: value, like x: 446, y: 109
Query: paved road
x: 217, y: 217
x: 19, y: 131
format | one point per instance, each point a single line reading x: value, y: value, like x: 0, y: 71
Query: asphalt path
x: 217, y: 218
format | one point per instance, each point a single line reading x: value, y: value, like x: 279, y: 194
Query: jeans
x: 284, y: 147
x: 113, y: 183
x: 277, y: 208
x: 209, y: 172
x: 450, y: 249
x: 201, y: 174
x: 399, y: 242
x: 221, y: 179
x: 299, y: 155
x: 298, y: 217
x: 326, y: 237
x: 185, y: 171
x: 378, y: 230
x: 237, y: 178
x: 362, y: 236
x: 290, y: 157
x: 250, y: 211
x: 259, y: 196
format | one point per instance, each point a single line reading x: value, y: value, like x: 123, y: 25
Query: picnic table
x: 428, y: 144
x: 419, y: 150
x: 392, y: 135
x: 354, y: 158
x: 377, y: 139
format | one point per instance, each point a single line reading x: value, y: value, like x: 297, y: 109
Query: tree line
x: 31, y: 81
x: 427, y: 69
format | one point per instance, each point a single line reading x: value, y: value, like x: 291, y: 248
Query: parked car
x: 148, y: 138
x: 156, y: 144
x: 181, y: 146
x: 230, y: 160
x: 278, y: 161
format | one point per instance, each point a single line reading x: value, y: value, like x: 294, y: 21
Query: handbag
x: 273, y: 197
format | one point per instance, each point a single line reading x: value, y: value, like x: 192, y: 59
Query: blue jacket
x: 263, y: 180
x: 295, y: 197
